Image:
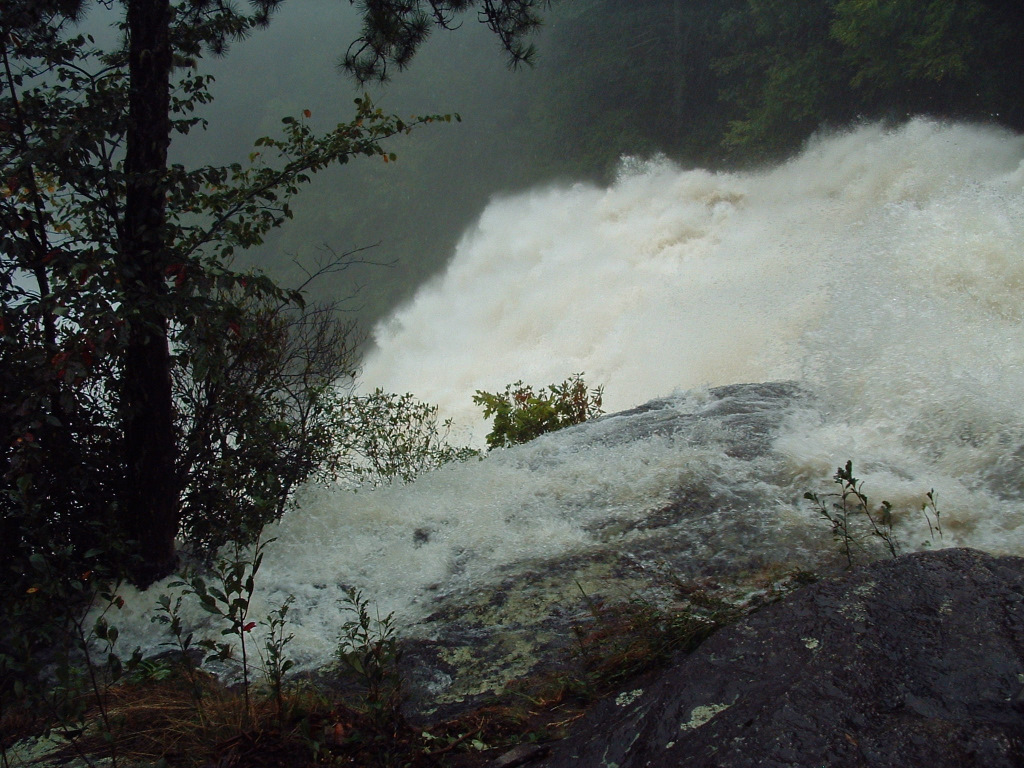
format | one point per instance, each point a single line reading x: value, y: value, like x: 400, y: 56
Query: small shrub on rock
x: 522, y: 414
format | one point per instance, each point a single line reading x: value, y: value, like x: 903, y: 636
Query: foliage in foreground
x: 119, y: 298
x: 169, y: 710
x: 148, y: 389
x: 854, y: 520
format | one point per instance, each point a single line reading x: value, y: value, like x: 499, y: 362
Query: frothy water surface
x: 883, y: 270
x: 897, y: 249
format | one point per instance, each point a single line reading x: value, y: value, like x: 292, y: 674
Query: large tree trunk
x: 150, y: 502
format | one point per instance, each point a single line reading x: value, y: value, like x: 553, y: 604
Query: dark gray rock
x: 911, y: 662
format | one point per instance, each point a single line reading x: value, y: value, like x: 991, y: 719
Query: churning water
x: 886, y: 266
x: 882, y: 270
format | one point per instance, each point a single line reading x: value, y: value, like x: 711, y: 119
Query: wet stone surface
x: 907, y: 662
x: 473, y: 643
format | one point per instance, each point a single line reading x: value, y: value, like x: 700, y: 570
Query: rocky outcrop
x: 719, y: 521
x: 917, y: 661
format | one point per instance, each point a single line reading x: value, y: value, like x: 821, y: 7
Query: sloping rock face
x: 720, y: 521
x: 917, y: 661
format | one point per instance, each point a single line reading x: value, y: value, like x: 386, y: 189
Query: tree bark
x: 150, y: 504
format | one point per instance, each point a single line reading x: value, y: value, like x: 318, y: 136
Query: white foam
x: 881, y: 268
x: 676, y: 279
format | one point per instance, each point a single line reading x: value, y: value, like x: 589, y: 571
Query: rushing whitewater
x: 880, y: 270
x: 873, y: 254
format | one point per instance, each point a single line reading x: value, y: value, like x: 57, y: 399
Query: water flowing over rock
x: 909, y: 662
x: 719, y: 521
x: 879, y: 270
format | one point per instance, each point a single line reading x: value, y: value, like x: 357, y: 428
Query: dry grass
x: 189, y: 719
x: 160, y: 720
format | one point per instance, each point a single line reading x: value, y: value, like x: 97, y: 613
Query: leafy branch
x: 522, y: 414
x: 848, y: 503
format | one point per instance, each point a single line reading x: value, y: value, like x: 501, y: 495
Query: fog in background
x: 613, y: 78
x: 410, y: 213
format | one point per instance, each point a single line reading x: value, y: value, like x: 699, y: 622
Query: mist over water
x: 873, y: 255
x: 882, y: 270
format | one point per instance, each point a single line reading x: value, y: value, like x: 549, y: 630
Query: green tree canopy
x: 795, y: 66
x: 115, y: 265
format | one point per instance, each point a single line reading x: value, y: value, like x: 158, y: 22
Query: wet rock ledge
x: 917, y: 661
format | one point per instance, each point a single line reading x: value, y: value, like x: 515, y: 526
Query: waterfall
x: 881, y: 270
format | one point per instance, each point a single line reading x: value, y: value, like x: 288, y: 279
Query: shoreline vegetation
x: 169, y: 709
